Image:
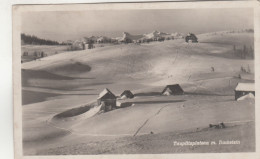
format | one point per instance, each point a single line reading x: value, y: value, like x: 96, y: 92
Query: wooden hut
x: 191, y: 38
x: 173, y: 90
x: 243, y: 89
x: 127, y: 94
x: 107, y: 99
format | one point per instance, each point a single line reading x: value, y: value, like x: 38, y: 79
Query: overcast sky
x: 73, y: 25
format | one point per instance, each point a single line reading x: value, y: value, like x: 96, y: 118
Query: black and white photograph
x: 104, y: 80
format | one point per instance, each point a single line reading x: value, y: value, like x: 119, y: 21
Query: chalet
x: 173, y: 90
x: 103, y: 39
x: 78, y: 45
x: 127, y: 94
x: 244, y: 89
x: 191, y: 38
x: 107, y: 99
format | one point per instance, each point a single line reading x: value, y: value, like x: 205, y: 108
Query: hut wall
x: 107, y: 104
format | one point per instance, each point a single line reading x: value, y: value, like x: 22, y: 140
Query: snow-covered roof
x: 245, y: 87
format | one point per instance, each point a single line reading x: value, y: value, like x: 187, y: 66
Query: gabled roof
x: 128, y: 93
x: 245, y: 87
x: 173, y: 88
x: 191, y: 34
x: 104, y: 92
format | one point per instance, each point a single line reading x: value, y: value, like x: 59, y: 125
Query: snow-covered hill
x: 72, y: 80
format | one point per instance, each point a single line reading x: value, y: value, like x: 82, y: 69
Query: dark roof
x: 127, y: 93
x: 175, y: 88
x: 191, y: 34
x: 106, y: 92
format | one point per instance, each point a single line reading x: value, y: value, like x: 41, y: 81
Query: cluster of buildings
x: 126, y: 38
x: 129, y: 38
x: 108, y: 100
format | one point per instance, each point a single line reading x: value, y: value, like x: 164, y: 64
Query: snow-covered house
x: 107, y: 99
x: 127, y: 94
x: 244, y: 89
x: 191, y: 38
x: 173, y: 90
